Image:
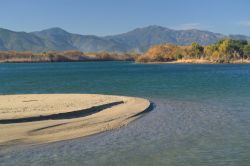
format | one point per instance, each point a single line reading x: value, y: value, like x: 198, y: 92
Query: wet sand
x: 43, y: 118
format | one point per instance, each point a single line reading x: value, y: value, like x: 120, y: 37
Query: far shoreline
x: 186, y: 61
x: 9, y: 62
x: 196, y: 61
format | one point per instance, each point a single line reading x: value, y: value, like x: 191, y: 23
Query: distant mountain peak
x: 52, y: 31
x: 153, y: 28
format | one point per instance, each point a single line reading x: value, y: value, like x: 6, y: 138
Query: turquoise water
x: 201, y: 114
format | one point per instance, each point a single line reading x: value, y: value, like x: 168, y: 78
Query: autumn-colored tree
x: 167, y: 52
x: 225, y: 50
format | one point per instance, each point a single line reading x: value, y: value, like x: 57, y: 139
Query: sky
x: 108, y: 17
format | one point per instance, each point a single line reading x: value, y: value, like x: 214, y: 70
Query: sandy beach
x: 43, y: 118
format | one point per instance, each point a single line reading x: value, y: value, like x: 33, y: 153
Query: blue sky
x: 105, y: 17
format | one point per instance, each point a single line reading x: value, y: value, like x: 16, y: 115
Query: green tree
x: 231, y: 49
x: 178, y: 56
x: 197, y: 50
x: 246, y: 51
x: 228, y: 49
x: 238, y: 46
x: 210, y: 49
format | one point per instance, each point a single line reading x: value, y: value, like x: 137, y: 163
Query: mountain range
x: 137, y: 40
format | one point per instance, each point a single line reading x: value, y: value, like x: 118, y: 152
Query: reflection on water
x: 202, y: 113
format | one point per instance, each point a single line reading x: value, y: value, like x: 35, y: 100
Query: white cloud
x: 189, y: 26
x: 194, y: 25
x: 245, y: 23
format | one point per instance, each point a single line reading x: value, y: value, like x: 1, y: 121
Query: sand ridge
x: 43, y: 118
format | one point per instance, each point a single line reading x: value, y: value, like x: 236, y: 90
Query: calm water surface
x: 202, y: 113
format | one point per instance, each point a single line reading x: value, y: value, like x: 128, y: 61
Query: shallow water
x: 201, y: 115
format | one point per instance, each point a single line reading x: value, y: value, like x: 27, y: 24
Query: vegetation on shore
x: 224, y: 51
x: 64, y: 56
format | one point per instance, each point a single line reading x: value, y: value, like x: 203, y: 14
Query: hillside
x: 138, y: 40
x: 142, y: 39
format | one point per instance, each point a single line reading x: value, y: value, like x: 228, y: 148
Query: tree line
x: 63, y: 56
x: 223, y: 51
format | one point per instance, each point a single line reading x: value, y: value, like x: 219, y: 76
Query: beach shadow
x: 66, y: 115
x: 150, y: 108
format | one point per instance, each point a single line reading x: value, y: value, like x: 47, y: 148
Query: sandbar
x: 44, y: 118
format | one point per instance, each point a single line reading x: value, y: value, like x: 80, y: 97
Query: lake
x: 201, y: 114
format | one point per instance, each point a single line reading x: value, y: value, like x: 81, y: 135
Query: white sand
x: 42, y: 118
